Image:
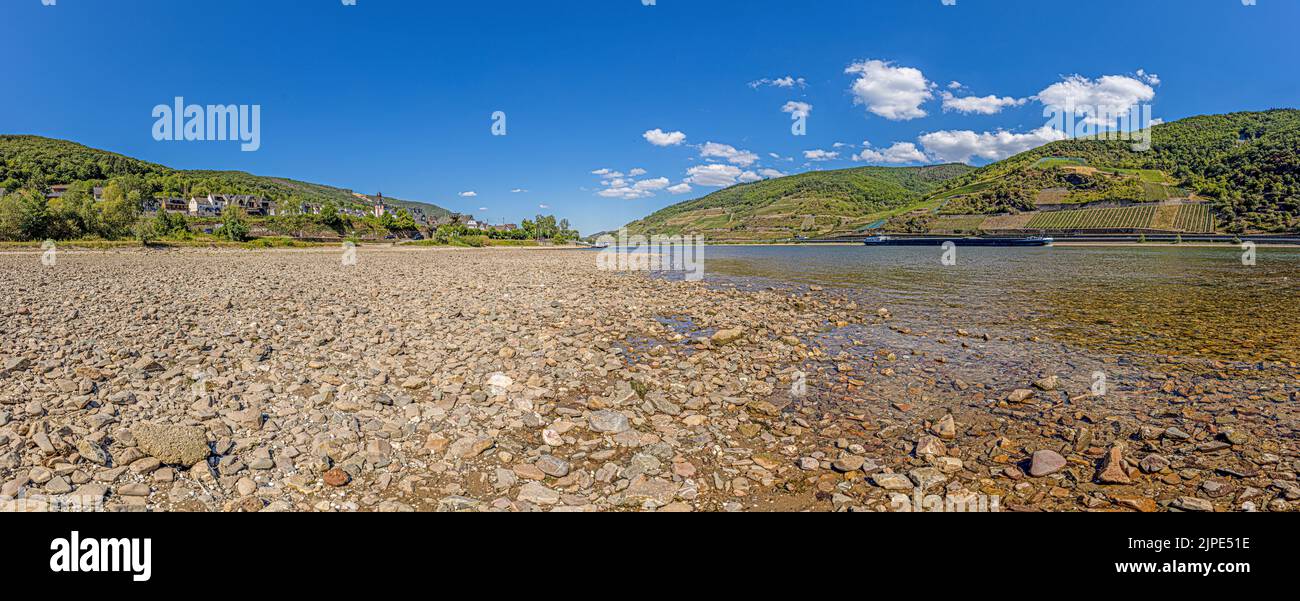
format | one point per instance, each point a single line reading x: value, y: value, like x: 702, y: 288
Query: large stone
x: 470, y: 447
x: 1112, y: 469
x: 1046, y: 462
x: 929, y: 445
x: 610, y: 422
x: 848, y: 463
x: 1153, y: 463
x: 1020, y: 395
x: 727, y: 336
x: 649, y: 492
x: 946, y: 428
x: 172, y: 444
x: 92, y: 452
x: 1193, y: 504
x: 536, y: 492
x: 892, y: 481
x: 553, y: 466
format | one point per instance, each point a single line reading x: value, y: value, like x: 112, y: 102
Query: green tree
x: 234, y: 225
x: 24, y: 215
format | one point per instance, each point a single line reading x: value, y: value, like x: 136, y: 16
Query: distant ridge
x: 26, y: 158
x: 812, y: 204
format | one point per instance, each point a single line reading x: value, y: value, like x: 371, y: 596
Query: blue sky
x: 398, y: 95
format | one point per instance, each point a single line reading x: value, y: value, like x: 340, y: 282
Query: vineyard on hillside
x: 1121, y: 218
x: 1192, y: 218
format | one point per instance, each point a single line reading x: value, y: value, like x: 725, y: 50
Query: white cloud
x: 715, y: 175
x: 483, y: 209
x: 659, y: 137
x: 744, y: 158
x: 796, y: 108
x: 788, y: 81
x: 543, y: 206
x: 900, y: 152
x: 658, y: 183
x: 681, y: 188
x: 469, y: 194
x: 1098, y: 100
x: 955, y: 85
x: 979, y: 105
x: 749, y: 176
x: 895, y: 93
x: 625, y: 192
x: 820, y: 155
x: 636, y: 172
x: 518, y: 191
x: 603, y: 172
x: 770, y: 173
x: 961, y: 146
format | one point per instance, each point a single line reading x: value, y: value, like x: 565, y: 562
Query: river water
x: 1188, y: 303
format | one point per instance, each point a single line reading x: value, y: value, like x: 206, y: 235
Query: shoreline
x: 531, y: 381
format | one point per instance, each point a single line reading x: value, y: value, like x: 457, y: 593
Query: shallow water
x: 1164, y: 301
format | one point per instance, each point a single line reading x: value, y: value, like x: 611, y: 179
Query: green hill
x: 813, y: 204
x: 27, y: 160
x: 1245, y: 165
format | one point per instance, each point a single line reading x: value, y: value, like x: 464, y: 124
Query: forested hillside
x: 36, y: 162
x: 816, y: 202
x: 1246, y: 164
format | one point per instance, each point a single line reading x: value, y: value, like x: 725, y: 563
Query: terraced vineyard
x: 1191, y: 218
x: 1195, y: 218
x: 1119, y: 218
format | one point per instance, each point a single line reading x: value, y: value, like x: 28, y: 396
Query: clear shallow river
x: 1185, y: 301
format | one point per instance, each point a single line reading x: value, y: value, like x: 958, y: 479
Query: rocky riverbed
x: 524, y: 380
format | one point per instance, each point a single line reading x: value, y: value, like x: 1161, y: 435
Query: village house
x: 214, y: 204
x: 57, y: 191
x: 205, y: 206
